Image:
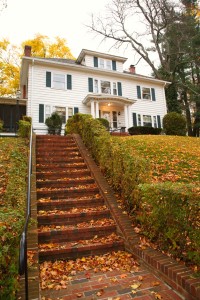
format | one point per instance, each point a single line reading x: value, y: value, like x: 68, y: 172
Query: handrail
x: 23, y: 241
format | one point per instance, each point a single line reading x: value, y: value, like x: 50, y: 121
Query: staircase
x: 81, y: 254
x: 73, y: 220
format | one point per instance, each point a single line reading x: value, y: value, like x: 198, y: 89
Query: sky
x: 22, y: 19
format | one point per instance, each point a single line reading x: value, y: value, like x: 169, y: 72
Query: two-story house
x: 95, y: 83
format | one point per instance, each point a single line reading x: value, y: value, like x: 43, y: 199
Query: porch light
x: 109, y: 104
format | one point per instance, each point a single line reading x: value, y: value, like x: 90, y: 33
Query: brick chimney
x: 27, y: 50
x: 132, y: 69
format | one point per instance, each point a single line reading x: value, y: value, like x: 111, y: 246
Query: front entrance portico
x: 115, y: 109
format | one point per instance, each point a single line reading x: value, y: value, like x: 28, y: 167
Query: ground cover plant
x: 158, y: 178
x: 13, y: 173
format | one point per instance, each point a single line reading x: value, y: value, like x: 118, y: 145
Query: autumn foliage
x: 13, y: 171
x: 158, y: 178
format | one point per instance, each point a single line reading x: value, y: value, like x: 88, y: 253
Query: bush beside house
x: 174, y: 124
x: 131, y: 175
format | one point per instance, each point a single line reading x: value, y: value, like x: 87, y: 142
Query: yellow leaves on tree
x: 10, y: 59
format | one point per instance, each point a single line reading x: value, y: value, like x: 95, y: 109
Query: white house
x: 95, y: 83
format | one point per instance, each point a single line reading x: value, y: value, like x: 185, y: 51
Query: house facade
x: 95, y: 83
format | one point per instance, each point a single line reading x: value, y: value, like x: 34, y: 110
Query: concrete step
x: 54, y: 175
x: 67, y: 182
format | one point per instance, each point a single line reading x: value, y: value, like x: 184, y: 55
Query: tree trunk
x: 188, y: 115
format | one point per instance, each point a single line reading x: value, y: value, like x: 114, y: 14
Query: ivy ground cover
x: 13, y: 173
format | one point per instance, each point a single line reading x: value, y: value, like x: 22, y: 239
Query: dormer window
x: 105, y: 64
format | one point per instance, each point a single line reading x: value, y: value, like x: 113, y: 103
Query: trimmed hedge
x: 137, y: 130
x: 167, y: 212
x: 174, y: 124
x: 13, y: 159
x: 25, y: 127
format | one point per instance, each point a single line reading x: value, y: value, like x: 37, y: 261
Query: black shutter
x: 134, y: 119
x: 95, y: 62
x: 41, y: 113
x: 114, y: 67
x: 119, y: 87
x: 90, y: 85
x: 76, y: 110
x: 138, y: 92
x: 48, y: 79
x: 153, y: 94
x: 69, y: 82
x: 159, y: 121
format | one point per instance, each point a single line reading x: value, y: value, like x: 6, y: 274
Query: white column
x: 97, y: 109
x: 126, y: 116
x: 92, y: 109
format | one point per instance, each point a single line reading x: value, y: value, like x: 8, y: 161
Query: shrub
x: 104, y: 122
x: 27, y: 119
x: 24, y: 128
x: 144, y: 130
x: 1, y: 125
x: 169, y: 216
x: 174, y: 124
x: 54, y: 123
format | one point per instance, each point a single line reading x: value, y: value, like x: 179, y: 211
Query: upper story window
x: 146, y: 93
x: 105, y: 64
x: 59, y: 81
x: 105, y: 87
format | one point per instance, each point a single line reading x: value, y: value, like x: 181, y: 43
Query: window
x: 47, y: 111
x: 105, y: 87
x: 59, y: 81
x: 154, y: 121
x: 105, y: 64
x: 96, y: 89
x: 62, y: 112
x: 70, y: 112
x: 114, y: 88
x: 139, y: 120
x: 146, y: 93
x: 147, y: 121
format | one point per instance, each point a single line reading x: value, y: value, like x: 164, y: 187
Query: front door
x: 111, y: 116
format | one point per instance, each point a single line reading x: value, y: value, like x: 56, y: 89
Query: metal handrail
x: 23, y: 241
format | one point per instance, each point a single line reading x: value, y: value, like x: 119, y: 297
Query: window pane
x: 101, y: 63
x: 114, y: 88
x: 70, y: 112
x: 146, y: 93
x: 96, y: 90
x: 62, y: 113
x: 155, y: 121
x: 59, y: 81
x: 108, y: 64
x: 139, y: 120
x: 105, y: 87
x: 147, y: 121
x: 47, y: 111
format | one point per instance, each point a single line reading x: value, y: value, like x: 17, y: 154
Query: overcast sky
x: 22, y: 19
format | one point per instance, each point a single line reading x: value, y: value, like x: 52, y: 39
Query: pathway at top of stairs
x: 82, y: 251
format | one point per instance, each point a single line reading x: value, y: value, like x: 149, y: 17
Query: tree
x: 3, y: 4
x: 164, y: 38
x: 10, y: 59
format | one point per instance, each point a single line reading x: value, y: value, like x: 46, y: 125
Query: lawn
x: 171, y: 158
x: 13, y: 174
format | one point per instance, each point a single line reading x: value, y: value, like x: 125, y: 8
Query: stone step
x: 55, y: 144
x: 61, y: 234
x: 54, y: 175
x: 71, y: 217
x: 73, y: 250
x: 66, y: 182
x: 48, y: 204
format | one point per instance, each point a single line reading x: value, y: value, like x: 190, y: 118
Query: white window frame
x: 59, y: 84
x: 70, y: 115
x: 96, y: 85
x: 47, y: 111
x: 146, y: 95
x: 114, y: 90
x: 139, y: 120
x: 105, y: 64
x: 146, y: 121
x: 155, y: 124
x: 106, y: 88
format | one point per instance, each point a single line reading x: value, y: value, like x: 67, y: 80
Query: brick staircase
x: 81, y: 248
